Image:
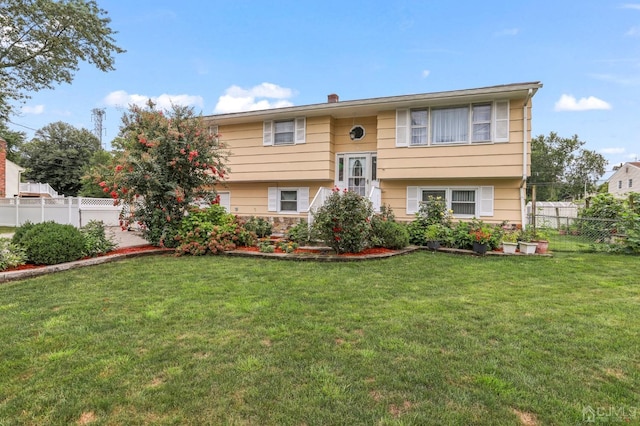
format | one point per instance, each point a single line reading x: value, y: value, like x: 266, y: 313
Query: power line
x: 22, y: 125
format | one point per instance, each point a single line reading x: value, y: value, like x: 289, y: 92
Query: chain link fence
x: 578, y: 233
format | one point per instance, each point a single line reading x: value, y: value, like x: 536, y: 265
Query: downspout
x: 523, y: 192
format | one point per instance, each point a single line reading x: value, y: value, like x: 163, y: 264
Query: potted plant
x: 527, y: 246
x: 481, y: 238
x: 510, y: 242
x: 433, y: 234
x: 541, y: 237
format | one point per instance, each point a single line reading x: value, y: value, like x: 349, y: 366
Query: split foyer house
x: 470, y: 147
x: 625, y: 180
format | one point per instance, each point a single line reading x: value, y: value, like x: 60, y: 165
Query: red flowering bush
x: 343, y: 222
x: 168, y: 161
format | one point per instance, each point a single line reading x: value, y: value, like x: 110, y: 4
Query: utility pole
x: 97, y: 115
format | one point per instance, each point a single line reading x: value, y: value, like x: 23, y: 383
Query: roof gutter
x: 523, y: 193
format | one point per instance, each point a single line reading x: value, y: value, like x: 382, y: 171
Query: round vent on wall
x: 356, y: 133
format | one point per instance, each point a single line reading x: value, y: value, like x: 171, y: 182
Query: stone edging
x: 30, y: 273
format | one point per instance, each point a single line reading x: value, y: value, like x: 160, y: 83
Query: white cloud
x: 35, y: 110
x: 120, y: 98
x: 425, y: 73
x: 262, y: 96
x: 507, y: 32
x: 569, y: 103
x: 633, y: 157
x: 612, y: 150
x: 631, y: 6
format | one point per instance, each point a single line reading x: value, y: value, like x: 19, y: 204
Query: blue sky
x: 223, y: 56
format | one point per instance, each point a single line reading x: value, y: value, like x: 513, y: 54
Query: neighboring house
x: 625, y: 180
x: 10, y: 185
x: 471, y: 147
x: 9, y: 174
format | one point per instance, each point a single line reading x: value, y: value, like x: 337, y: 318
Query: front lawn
x: 426, y: 338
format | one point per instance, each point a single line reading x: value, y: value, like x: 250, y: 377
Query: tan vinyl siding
x: 251, y: 199
x: 250, y: 161
x: 478, y: 160
x: 506, y: 201
x: 342, y: 141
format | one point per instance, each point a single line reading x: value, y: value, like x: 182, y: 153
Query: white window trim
x: 299, y: 132
x: 484, y: 199
x: 274, y: 198
x: 403, y: 125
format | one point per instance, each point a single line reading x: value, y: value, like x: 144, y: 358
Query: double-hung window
x: 419, y: 126
x: 284, y: 132
x: 630, y: 183
x: 288, y: 200
x: 464, y: 202
x: 461, y: 124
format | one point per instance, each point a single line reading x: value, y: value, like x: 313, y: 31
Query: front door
x: 357, y: 172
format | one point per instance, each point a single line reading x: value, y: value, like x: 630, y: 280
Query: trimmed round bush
x: 49, y: 243
x: 388, y: 234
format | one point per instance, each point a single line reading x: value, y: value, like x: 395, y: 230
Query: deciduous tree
x: 58, y: 155
x: 561, y: 168
x: 42, y: 43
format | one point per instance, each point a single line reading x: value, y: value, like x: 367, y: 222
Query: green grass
x: 7, y: 229
x: 426, y: 338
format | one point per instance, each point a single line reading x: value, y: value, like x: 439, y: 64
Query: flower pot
x: 480, y: 248
x: 509, y: 248
x: 528, y: 247
x: 433, y: 245
x: 543, y: 246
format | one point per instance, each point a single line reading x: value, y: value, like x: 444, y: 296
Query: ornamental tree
x: 168, y: 162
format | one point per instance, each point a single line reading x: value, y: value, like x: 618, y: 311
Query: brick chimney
x: 3, y: 167
x: 333, y: 98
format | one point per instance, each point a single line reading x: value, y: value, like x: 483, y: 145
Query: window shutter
x: 501, y: 123
x: 412, y: 199
x: 486, y: 201
x: 272, y: 204
x: 267, y: 134
x: 402, y: 127
x: 301, y: 129
x: 303, y: 199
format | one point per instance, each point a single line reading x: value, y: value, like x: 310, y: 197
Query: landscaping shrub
x: 342, y: 223
x: 11, y: 254
x: 386, y: 232
x: 300, y: 233
x: 95, y: 239
x: 433, y: 212
x: 260, y: 226
x: 211, y: 230
x: 20, y: 232
x: 50, y: 243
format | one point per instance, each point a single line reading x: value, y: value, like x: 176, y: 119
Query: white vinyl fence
x: 553, y: 214
x: 77, y: 211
